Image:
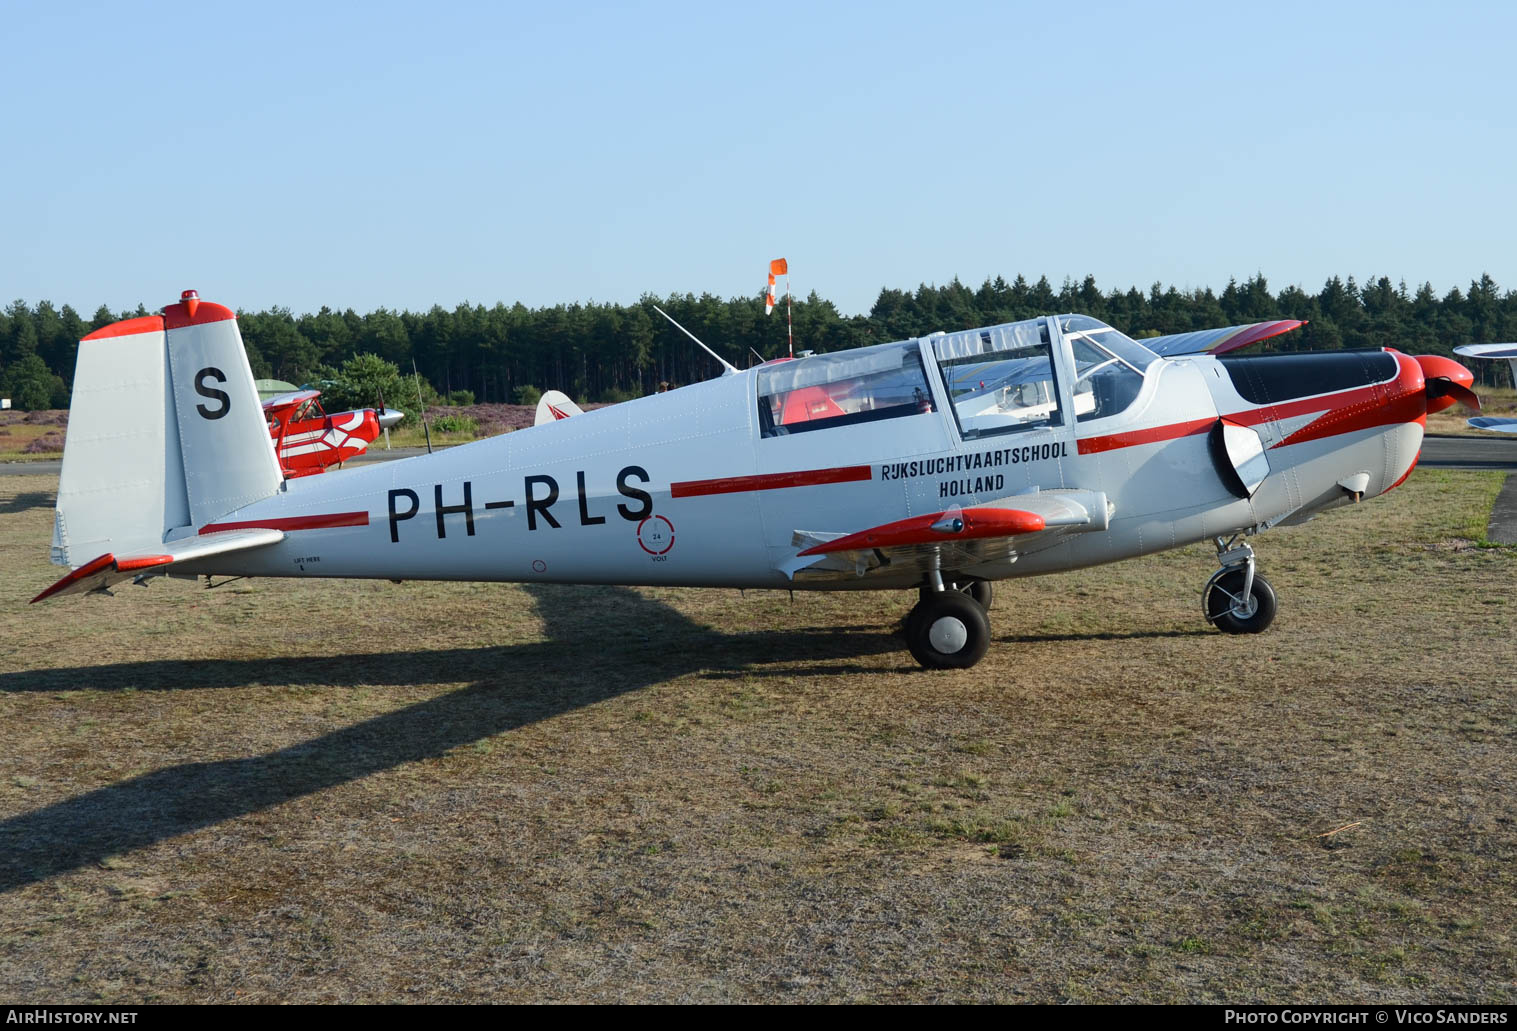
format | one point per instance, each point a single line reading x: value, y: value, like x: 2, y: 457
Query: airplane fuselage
x: 683, y: 488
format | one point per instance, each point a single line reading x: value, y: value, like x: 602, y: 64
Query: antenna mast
x: 424, y: 427
x: 726, y: 365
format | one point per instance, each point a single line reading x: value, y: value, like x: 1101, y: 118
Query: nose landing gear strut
x: 1237, y: 600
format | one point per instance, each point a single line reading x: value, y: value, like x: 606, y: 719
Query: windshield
x: 1083, y: 327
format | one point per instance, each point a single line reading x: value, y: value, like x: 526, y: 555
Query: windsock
x: 777, y: 267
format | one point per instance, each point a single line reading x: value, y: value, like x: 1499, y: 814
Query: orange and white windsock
x: 777, y: 267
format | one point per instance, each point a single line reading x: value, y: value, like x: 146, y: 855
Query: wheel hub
x: 948, y: 634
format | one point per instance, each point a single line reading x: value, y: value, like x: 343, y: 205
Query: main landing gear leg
x: 1237, y: 600
x: 980, y: 590
x: 948, y: 628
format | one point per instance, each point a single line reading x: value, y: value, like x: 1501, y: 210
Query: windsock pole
x: 789, y: 322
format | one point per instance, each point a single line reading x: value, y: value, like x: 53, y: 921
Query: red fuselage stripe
x: 1152, y: 435
x: 316, y: 522
x: 770, y: 481
x: 1374, y: 405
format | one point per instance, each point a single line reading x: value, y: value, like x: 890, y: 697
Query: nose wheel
x: 947, y: 630
x: 1237, y: 600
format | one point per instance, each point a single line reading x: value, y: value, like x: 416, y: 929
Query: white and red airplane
x: 936, y: 464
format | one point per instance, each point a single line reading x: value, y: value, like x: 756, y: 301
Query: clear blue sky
x: 411, y: 154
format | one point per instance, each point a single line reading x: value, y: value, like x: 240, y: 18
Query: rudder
x: 224, y: 440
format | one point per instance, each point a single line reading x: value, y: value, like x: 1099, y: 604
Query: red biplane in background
x: 308, y: 440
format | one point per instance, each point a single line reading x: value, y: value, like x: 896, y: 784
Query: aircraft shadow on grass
x: 153, y: 807
x: 27, y: 502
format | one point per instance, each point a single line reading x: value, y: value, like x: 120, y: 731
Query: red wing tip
x: 1257, y: 332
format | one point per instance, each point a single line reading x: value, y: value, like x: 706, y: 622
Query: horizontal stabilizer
x: 101, y: 572
x: 1219, y: 341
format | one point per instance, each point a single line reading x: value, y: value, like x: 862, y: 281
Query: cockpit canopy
x: 1000, y: 380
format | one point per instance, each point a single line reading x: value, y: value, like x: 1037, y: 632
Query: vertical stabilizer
x: 165, y: 432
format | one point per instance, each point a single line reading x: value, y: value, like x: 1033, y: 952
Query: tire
x: 980, y: 591
x: 948, y: 631
x: 1223, y: 594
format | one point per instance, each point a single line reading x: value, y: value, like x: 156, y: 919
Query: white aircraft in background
x: 936, y: 464
x: 553, y: 406
x: 1507, y: 351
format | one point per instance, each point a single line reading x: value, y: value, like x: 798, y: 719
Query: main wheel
x: 979, y: 590
x: 1230, y: 612
x: 948, y: 631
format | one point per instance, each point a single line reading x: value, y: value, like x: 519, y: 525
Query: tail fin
x: 555, y: 405
x: 165, y: 431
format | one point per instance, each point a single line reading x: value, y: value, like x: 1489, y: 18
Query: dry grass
x: 485, y: 792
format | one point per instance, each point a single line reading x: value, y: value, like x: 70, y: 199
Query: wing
x: 101, y: 572
x: 957, y: 538
x: 1508, y: 351
x: 283, y: 402
x: 1486, y: 422
x: 1219, y: 341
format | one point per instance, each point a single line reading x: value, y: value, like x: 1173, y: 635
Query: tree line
x: 608, y: 352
